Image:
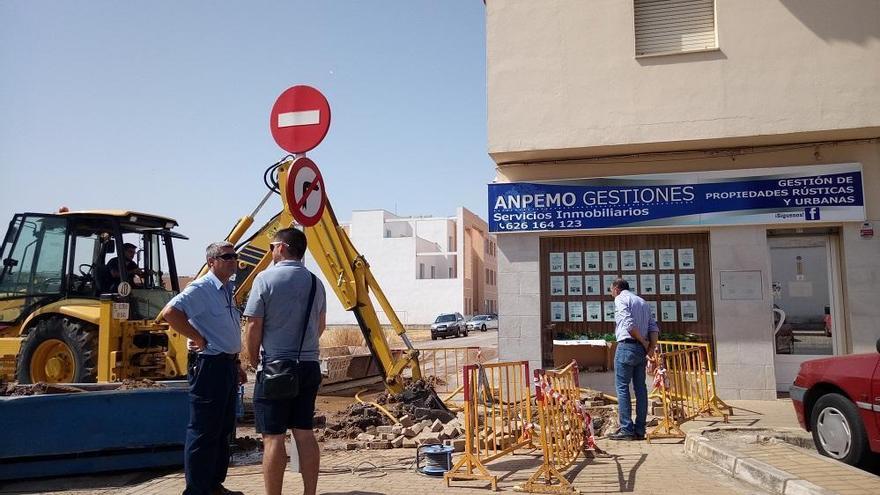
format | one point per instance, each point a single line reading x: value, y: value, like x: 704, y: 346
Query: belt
x: 628, y: 341
x: 222, y: 356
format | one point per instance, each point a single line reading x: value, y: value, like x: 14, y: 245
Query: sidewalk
x: 631, y: 467
x: 757, y: 445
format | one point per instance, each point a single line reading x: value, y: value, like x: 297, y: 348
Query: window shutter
x: 669, y: 26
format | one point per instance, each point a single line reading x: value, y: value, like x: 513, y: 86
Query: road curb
x: 748, y: 469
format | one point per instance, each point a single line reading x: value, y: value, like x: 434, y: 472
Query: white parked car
x: 483, y: 322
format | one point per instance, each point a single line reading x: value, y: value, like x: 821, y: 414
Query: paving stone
x: 406, y: 421
x: 398, y: 442
x: 437, y: 425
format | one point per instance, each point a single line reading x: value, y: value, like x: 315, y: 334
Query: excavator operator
x: 131, y: 268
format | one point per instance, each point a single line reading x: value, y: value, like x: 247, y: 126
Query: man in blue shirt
x: 634, y: 322
x: 279, y: 328
x: 205, y: 313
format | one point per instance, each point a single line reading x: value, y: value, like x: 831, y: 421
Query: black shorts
x: 275, y: 417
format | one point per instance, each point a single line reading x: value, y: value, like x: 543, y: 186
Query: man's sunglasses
x: 227, y: 256
x: 275, y: 244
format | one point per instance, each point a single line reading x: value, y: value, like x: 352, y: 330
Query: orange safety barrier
x: 714, y: 406
x: 442, y: 367
x: 497, y: 418
x: 684, y: 382
x: 565, y: 429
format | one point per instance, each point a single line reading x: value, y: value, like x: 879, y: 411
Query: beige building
x: 721, y: 154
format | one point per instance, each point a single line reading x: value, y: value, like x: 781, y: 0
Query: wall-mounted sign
x: 866, y: 231
x: 743, y: 285
x: 816, y: 193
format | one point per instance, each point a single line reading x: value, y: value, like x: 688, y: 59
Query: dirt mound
x: 17, y: 390
x: 133, y: 384
x: 419, y: 401
x: 357, y: 419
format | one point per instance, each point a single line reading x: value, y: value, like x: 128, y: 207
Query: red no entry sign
x: 300, y: 119
x: 304, y: 192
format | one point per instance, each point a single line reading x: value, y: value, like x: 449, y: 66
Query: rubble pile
x: 422, y: 420
x: 604, y: 413
x: 133, y: 384
x: 14, y: 389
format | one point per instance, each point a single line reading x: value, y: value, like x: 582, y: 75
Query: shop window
x: 670, y: 272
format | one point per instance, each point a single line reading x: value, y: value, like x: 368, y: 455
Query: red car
x: 838, y: 400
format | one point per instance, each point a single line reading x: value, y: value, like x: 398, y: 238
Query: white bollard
x: 293, y: 464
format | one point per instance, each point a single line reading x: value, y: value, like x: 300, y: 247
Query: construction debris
x: 422, y: 420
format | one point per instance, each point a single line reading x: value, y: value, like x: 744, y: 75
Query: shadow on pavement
x: 99, y: 482
x: 628, y: 482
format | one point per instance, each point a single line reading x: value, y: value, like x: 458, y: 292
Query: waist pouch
x: 281, y: 379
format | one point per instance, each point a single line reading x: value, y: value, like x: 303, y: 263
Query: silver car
x: 483, y: 322
x: 448, y: 325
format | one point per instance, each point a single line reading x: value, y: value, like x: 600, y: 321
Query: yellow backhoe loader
x: 75, y: 308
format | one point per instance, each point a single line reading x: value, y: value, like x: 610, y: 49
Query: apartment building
x: 720, y: 155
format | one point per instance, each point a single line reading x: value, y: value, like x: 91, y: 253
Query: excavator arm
x: 346, y: 270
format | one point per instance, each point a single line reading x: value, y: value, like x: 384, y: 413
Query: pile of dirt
x: 419, y: 401
x: 20, y: 390
x: 247, y: 443
x: 351, y: 422
x: 133, y: 384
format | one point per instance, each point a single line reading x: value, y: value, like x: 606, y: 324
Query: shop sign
x: 818, y: 193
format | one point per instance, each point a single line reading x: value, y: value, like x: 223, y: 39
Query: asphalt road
x: 488, y: 339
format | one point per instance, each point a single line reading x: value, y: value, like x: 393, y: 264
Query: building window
x: 433, y: 271
x: 488, y: 276
x: 450, y: 272
x: 674, y: 26
x: 421, y: 270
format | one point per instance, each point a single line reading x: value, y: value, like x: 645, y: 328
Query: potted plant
x: 589, y: 350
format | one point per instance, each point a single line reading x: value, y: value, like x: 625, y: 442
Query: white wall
x: 394, y: 264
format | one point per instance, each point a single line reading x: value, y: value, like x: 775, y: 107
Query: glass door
x: 804, y: 284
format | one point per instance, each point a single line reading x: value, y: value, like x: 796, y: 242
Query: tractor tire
x: 59, y: 350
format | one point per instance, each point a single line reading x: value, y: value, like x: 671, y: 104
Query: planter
x: 589, y: 354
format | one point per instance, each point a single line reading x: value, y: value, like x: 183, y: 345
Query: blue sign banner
x: 819, y: 193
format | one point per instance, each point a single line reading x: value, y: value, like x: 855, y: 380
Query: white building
x: 425, y: 265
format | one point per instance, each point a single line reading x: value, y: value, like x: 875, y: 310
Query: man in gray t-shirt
x: 275, y: 314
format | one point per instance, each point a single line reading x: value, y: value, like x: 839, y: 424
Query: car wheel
x: 838, y: 431
x: 433, y: 337
x: 483, y: 328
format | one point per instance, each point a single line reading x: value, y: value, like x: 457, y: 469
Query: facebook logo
x: 811, y: 213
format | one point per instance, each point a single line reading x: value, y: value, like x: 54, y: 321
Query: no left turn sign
x: 304, y: 192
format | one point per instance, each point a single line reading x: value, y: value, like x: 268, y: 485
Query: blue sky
x: 163, y: 106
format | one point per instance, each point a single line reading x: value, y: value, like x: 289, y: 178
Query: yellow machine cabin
x: 79, y: 293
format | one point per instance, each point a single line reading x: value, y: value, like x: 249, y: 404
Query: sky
x: 163, y: 106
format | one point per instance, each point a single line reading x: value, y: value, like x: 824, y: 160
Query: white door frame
x: 786, y: 366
